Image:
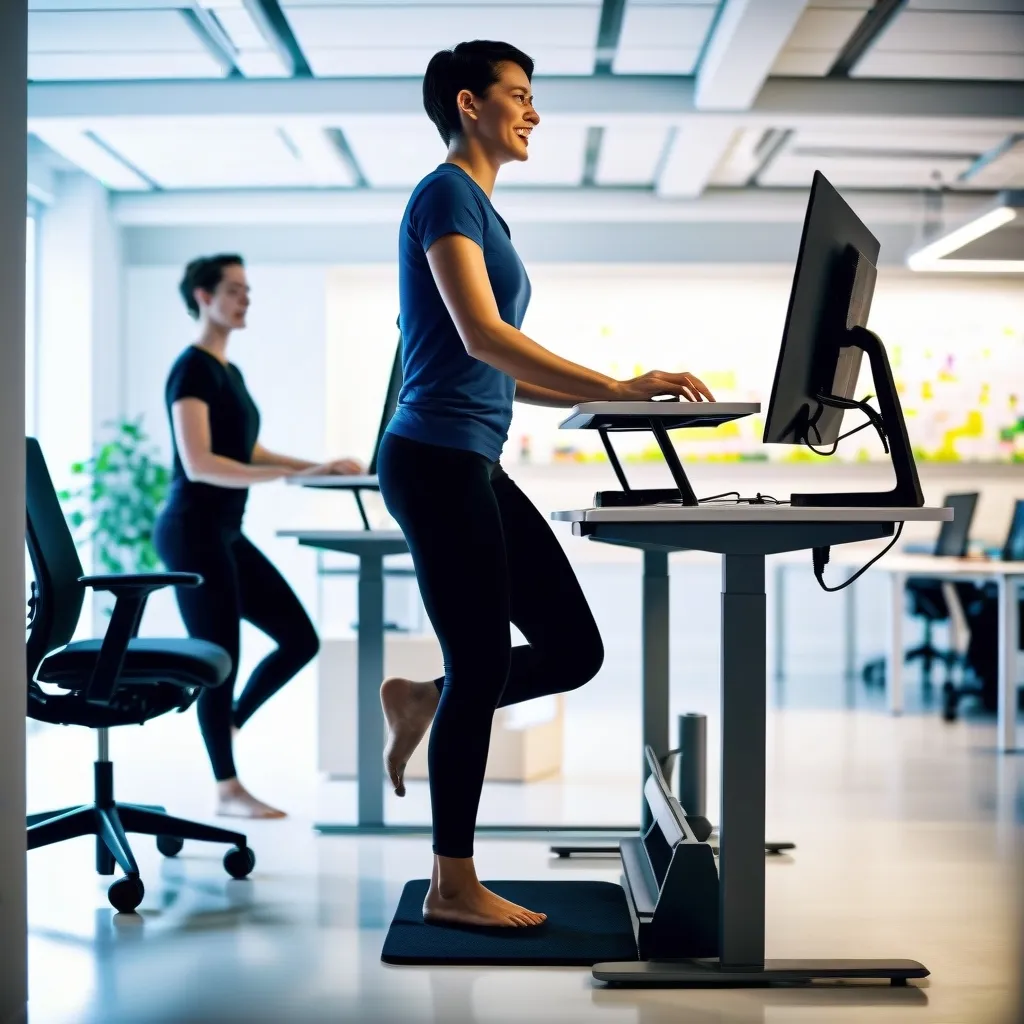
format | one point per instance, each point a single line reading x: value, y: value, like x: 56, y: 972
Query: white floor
x: 908, y: 831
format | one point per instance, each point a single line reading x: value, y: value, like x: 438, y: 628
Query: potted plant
x: 116, y: 497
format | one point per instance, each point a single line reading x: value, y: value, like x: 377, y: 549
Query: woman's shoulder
x: 193, y: 364
x: 445, y: 185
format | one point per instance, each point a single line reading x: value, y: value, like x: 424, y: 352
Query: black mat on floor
x: 588, y: 922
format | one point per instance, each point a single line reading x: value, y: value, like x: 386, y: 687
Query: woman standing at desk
x: 215, y: 425
x: 484, y: 556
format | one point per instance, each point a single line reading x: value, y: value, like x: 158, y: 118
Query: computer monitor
x: 955, y: 533
x: 1013, y: 549
x: 823, y: 342
x: 390, y: 404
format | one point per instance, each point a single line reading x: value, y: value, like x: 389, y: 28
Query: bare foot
x: 408, y: 710
x: 478, y: 906
x: 235, y: 801
x: 463, y: 900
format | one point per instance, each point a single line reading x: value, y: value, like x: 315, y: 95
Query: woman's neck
x: 215, y: 340
x: 472, y: 158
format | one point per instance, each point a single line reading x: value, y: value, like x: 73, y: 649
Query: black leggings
x: 484, y: 557
x: 239, y: 582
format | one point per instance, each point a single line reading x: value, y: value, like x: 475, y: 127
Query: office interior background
x: 659, y: 217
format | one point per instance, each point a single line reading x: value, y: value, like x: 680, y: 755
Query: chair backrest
x: 954, y: 536
x: 1013, y: 549
x: 55, y: 561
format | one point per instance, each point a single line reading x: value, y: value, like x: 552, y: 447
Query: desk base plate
x: 700, y: 973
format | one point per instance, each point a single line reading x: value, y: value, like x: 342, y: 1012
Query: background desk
x: 1009, y: 577
x: 743, y: 535
x: 371, y: 547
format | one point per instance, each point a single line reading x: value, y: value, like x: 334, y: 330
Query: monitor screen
x: 832, y: 288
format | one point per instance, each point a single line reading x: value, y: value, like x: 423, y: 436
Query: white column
x: 78, y: 366
x: 13, y: 927
x: 894, y: 658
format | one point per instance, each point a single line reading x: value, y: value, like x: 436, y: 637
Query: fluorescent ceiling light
x: 932, y: 257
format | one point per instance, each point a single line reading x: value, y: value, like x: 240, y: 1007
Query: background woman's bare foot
x: 476, y: 905
x: 408, y: 710
x: 235, y: 801
x: 461, y: 899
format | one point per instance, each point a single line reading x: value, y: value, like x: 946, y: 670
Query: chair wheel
x: 126, y: 893
x: 239, y: 861
x: 169, y: 846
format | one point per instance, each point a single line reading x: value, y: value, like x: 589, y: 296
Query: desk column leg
x: 850, y: 630
x: 744, y: 700
x: 1006, y: 732
x: 370, y: 673
x: 655, y: 724
x: 894, y: 658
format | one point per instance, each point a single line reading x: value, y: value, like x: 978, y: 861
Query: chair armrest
x: 132, y: 590
x: 145, y: 581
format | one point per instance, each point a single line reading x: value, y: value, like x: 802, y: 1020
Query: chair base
x: 110, y: 822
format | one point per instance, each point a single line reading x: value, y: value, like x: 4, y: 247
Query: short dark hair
x: 475, y: 66
x: 205, y: 272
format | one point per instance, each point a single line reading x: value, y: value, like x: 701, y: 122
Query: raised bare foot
x: 235, y: 801
x: 476, y: 905
x: 408, y: 710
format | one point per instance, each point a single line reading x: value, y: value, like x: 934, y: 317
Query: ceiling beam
x: 633, y: 99
x: 871, y: 27
x: 692, y: 157
x: 539, y: 206
x: 747, y: 38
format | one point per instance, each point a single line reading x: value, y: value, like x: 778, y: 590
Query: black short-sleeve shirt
x: 234, y: 427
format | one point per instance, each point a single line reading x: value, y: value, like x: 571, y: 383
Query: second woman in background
x: 217, y: 457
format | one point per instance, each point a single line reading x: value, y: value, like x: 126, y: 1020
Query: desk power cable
x: 819, y: 559
x: 735, y: 499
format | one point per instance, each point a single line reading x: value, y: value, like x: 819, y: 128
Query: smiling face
x: 504, y: 117
x: 228, y: 304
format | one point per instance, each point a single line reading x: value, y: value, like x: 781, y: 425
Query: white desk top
x: 721, y: 513
x: 336, y: 482
x: 636, y: 415
x: 938, y: 565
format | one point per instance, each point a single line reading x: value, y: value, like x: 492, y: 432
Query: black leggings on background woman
x: 239, y: 582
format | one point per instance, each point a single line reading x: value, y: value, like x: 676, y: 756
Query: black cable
x: 874, y: 419
x: 819, y: 559
x: 841, y: 437
x: 715, y: 497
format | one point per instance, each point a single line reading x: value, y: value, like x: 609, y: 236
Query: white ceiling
x: 380, y: 38
x: 663, y: 37
x: 128, y: 40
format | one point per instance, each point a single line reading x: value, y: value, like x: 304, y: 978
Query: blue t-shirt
x: 448, y: 398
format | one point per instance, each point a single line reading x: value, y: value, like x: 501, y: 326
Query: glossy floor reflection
x: 908, y: 832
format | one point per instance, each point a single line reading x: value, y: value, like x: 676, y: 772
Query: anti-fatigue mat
x: 588, y: 923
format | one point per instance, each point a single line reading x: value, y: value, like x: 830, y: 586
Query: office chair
x: 119, y: 680
x: 927, y: 599
x: 980, y: 605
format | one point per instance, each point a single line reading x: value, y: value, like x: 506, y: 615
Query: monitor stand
x: 681, y: 494
x: 907, y: 492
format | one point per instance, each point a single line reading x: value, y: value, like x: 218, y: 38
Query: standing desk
x: 371, y: 547
x: 744, y: 535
